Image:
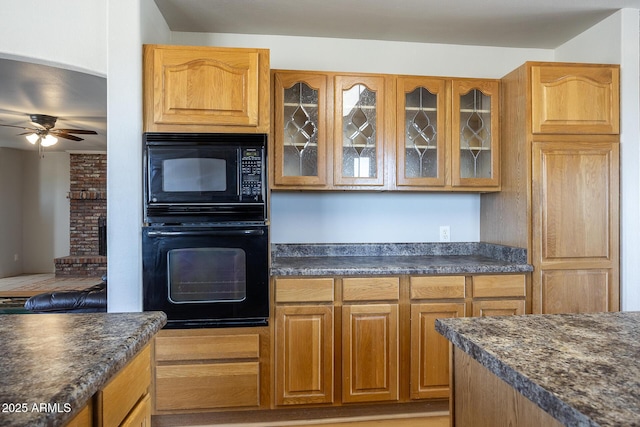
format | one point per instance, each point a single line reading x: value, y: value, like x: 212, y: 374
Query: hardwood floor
x: 405, y: 415
x: 27, y: 285
x: 430, y: 420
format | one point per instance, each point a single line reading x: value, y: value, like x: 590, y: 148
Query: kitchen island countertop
x: 52, y: 364
x: 396, y: 259
x: 582, y: 369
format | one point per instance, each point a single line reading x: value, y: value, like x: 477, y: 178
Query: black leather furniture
x: 90, y: 300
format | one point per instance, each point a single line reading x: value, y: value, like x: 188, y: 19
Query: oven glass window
x: 206, y: 275
x: 194, y: 174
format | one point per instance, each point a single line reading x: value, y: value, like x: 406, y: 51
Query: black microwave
x: 204, y: 177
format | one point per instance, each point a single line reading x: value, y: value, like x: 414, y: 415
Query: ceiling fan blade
x: 67, y: 136
x: 78, y: 131
x: 21, y: 127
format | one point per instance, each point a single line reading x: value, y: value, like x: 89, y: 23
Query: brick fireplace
x: 88, y: 211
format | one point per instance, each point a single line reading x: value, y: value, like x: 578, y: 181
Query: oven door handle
x: 198, y: 233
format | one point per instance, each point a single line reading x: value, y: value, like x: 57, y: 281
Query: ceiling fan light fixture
x: 48, y: 141
x: 32, y: 138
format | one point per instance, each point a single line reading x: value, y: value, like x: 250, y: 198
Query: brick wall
x: 88, y: 202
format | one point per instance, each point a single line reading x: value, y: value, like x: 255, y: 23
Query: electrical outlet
x: 445, y: 233
x: 16, y: 257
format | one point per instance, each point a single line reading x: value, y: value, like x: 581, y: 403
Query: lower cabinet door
x: 370, y: 350
x: 430, y: 350
x: 207, y: 386
x: 140, y: 416
x: 304, y: 354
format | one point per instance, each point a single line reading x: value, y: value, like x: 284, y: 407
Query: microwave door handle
x: 199, y: 233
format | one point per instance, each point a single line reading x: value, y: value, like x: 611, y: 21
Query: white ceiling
x: 79, y: 100
x: 514, y: 23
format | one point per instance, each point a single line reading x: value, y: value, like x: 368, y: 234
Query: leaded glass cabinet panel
x: 359, y: 130
x: 300, y: 129
x: 421, y: 132
x: 475, y: 133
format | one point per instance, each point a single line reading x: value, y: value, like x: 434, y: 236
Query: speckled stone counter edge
x: 499, y: 252
x: 78, y: 394
x: 396, y: 259
x: 154, y: 322
x: 544, y: 399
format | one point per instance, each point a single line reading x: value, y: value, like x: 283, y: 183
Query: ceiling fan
x: 44, y: 132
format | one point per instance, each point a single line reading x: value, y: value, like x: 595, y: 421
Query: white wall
x: 34, y: 211
x: 70, y: 34
x: 10, y: 212
x: 617, y: 40
x: 374, y: 217
x: 45, y: 210
x: 130, y: 24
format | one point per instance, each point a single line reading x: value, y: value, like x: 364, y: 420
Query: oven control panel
x: 251, y: 173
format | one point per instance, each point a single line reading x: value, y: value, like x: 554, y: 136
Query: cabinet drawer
x: 205, y: 386
x: 318, y: 289
x: 370, y: 288
x: 207, y: 347
x: 498, y: 308
x: 507, y: 285
x: 437, y: 287
x: 121, y: 394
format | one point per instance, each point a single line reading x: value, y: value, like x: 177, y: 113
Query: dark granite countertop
x: 582, y: 369
x: 396, y: 258
x: 62, y: 360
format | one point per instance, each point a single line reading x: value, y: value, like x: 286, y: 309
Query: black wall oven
x: 205, y: 241
x: 207, y: 275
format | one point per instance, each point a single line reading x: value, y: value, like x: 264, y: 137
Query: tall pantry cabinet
x: 560, y: 183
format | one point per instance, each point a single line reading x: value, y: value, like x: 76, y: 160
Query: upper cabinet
x: 475, y: 131
x: 359, y: 130
x: 421, y: 135
x: 206, y: 89
x: 384, y: 132
x: 447, y: 134
x: 300, y: 126
x: 575, y: 99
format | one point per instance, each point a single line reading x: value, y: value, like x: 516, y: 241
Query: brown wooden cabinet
x: 205, y: 369
x: 431, y: 298
x: 330, y: 130
x: 124, y: 400
x: 302, y: 127
x: 370, y: 339
x: 560, y: 182
x: 475, y: 135
x: 304, y: 345
x: 344, y: 340
x: 422, y: 138
x: 435, y: 297
x: 206, y: 89
x: 384, y: 132
x: 575, y: 99
x: 575, y: 215
x: 361, y: 120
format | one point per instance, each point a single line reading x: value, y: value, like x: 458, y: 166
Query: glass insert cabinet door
x: 421, y: 133
x: 475, y: 133
x: 359, y: 130
x: 300, y: 129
